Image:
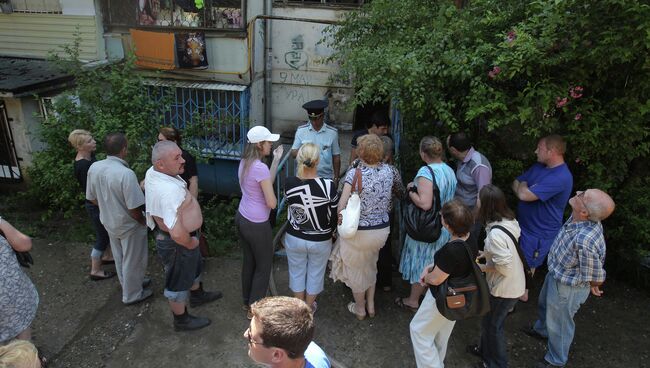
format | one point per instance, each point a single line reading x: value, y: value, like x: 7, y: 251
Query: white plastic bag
x: 350, y: 223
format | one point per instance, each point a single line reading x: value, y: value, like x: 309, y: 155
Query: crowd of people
x: 477, y: 226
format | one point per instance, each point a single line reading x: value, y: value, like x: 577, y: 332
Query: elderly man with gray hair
x: 575, y: 268
x: 177, y: 218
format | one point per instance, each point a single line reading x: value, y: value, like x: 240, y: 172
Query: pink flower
x: 560, y: 102
x: 578, y: 116
x: 512, y: 35
x: 576, y: 92
x: 494, y: 72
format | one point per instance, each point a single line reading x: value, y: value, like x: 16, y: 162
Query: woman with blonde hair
x: 311, y: 213
x: 85, y: 145
x: 252, y: 218
x: 354, y: 260
x: 417, y: 254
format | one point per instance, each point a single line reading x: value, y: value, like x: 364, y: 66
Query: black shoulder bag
x: 527, y: 272
x: 463, y: 297
x: 423, y: 225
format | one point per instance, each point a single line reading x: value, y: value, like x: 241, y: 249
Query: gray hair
x: 161, y: 149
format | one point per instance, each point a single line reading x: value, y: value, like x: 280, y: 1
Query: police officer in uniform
x: 326, y: 137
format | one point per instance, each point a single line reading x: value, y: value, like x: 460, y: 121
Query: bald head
x: 599, y: 204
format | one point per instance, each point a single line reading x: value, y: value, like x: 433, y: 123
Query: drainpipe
x: 268, y: 56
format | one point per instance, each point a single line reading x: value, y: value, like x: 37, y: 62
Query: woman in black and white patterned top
x: 312, y: 203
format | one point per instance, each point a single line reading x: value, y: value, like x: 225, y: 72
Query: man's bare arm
x: 136, y: 214
x: 520, y: 188
x: 336, y: 165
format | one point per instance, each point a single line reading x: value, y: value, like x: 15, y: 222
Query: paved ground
x: 81, y: 323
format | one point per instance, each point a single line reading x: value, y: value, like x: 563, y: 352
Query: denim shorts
x: 182, y: 267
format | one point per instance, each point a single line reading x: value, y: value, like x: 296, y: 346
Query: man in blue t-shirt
x: 280, y: 334
x: 543, y: 192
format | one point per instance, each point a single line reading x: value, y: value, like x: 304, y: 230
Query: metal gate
x: 9, y: 167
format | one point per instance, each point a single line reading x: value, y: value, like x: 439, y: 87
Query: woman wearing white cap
x: 252, y: 219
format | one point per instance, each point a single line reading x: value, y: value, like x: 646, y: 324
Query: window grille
x: 213, y: 121
x: 212, y: 14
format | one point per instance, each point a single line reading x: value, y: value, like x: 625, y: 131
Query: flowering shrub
x: 509, y: 72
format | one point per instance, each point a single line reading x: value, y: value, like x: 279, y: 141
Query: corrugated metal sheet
x: 34, y: 35
x: 195, y: 85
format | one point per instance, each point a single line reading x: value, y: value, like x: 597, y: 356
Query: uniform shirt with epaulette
x: 327, y: 138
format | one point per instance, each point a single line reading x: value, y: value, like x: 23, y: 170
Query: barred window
x: 36, y: 6
x: 206, y: 14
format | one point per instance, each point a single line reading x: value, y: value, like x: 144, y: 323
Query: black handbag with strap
x: 527, y: 272
x: 421, y: 225
x: 465, y: 297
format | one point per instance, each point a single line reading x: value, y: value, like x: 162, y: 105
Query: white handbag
x: 350, y: 222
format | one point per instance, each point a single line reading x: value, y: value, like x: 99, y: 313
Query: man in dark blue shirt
x: 543, y: 192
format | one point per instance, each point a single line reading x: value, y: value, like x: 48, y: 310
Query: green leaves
x: 509, y: 72
x: 105, y: 99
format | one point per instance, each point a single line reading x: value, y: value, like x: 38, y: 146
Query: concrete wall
x: 301, y: 72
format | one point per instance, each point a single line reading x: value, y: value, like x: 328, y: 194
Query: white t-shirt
x: 163, y: 195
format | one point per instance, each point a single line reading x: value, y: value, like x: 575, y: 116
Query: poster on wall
x: 191, y: 51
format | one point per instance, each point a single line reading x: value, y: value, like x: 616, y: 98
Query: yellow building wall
x: 34, y: 35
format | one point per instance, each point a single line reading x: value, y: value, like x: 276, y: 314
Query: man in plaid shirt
x: 575, y: 267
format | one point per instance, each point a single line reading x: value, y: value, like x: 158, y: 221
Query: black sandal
x: 107, y: 275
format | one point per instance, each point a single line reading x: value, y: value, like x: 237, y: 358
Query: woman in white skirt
x: 312, y: 205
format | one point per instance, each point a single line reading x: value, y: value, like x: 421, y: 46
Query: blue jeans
x: 557, y: 305
x: 493, y: 340
x: 101, y: 236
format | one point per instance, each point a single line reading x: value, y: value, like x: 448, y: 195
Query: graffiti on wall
x: 297, y: 57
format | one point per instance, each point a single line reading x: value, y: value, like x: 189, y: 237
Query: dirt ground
x: 81, y: 323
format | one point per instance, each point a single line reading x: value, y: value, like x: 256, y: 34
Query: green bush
x: 509, y: 72
x: 219, y: 224
x: 105, y: 99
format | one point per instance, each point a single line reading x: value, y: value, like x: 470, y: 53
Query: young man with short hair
x: 280, y: 334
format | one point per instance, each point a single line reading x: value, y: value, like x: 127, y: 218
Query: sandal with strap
x: 352, y: 309
x: 400, y: 303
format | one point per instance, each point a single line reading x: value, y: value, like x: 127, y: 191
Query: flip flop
x: 107, y: 275
x: 108, y: 261
x: 400, y: 303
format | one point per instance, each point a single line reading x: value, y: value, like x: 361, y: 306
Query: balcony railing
x: 202, y: 14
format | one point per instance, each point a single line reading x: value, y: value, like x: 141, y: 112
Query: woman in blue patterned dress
x: 416, y: 254
x: 354, y: 260
x: 18, y: 296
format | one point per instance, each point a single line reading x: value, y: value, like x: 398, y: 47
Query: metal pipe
x: 268, y: 56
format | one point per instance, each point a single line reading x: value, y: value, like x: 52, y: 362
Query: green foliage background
x: 501, y: 70
x: 105, y: 99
